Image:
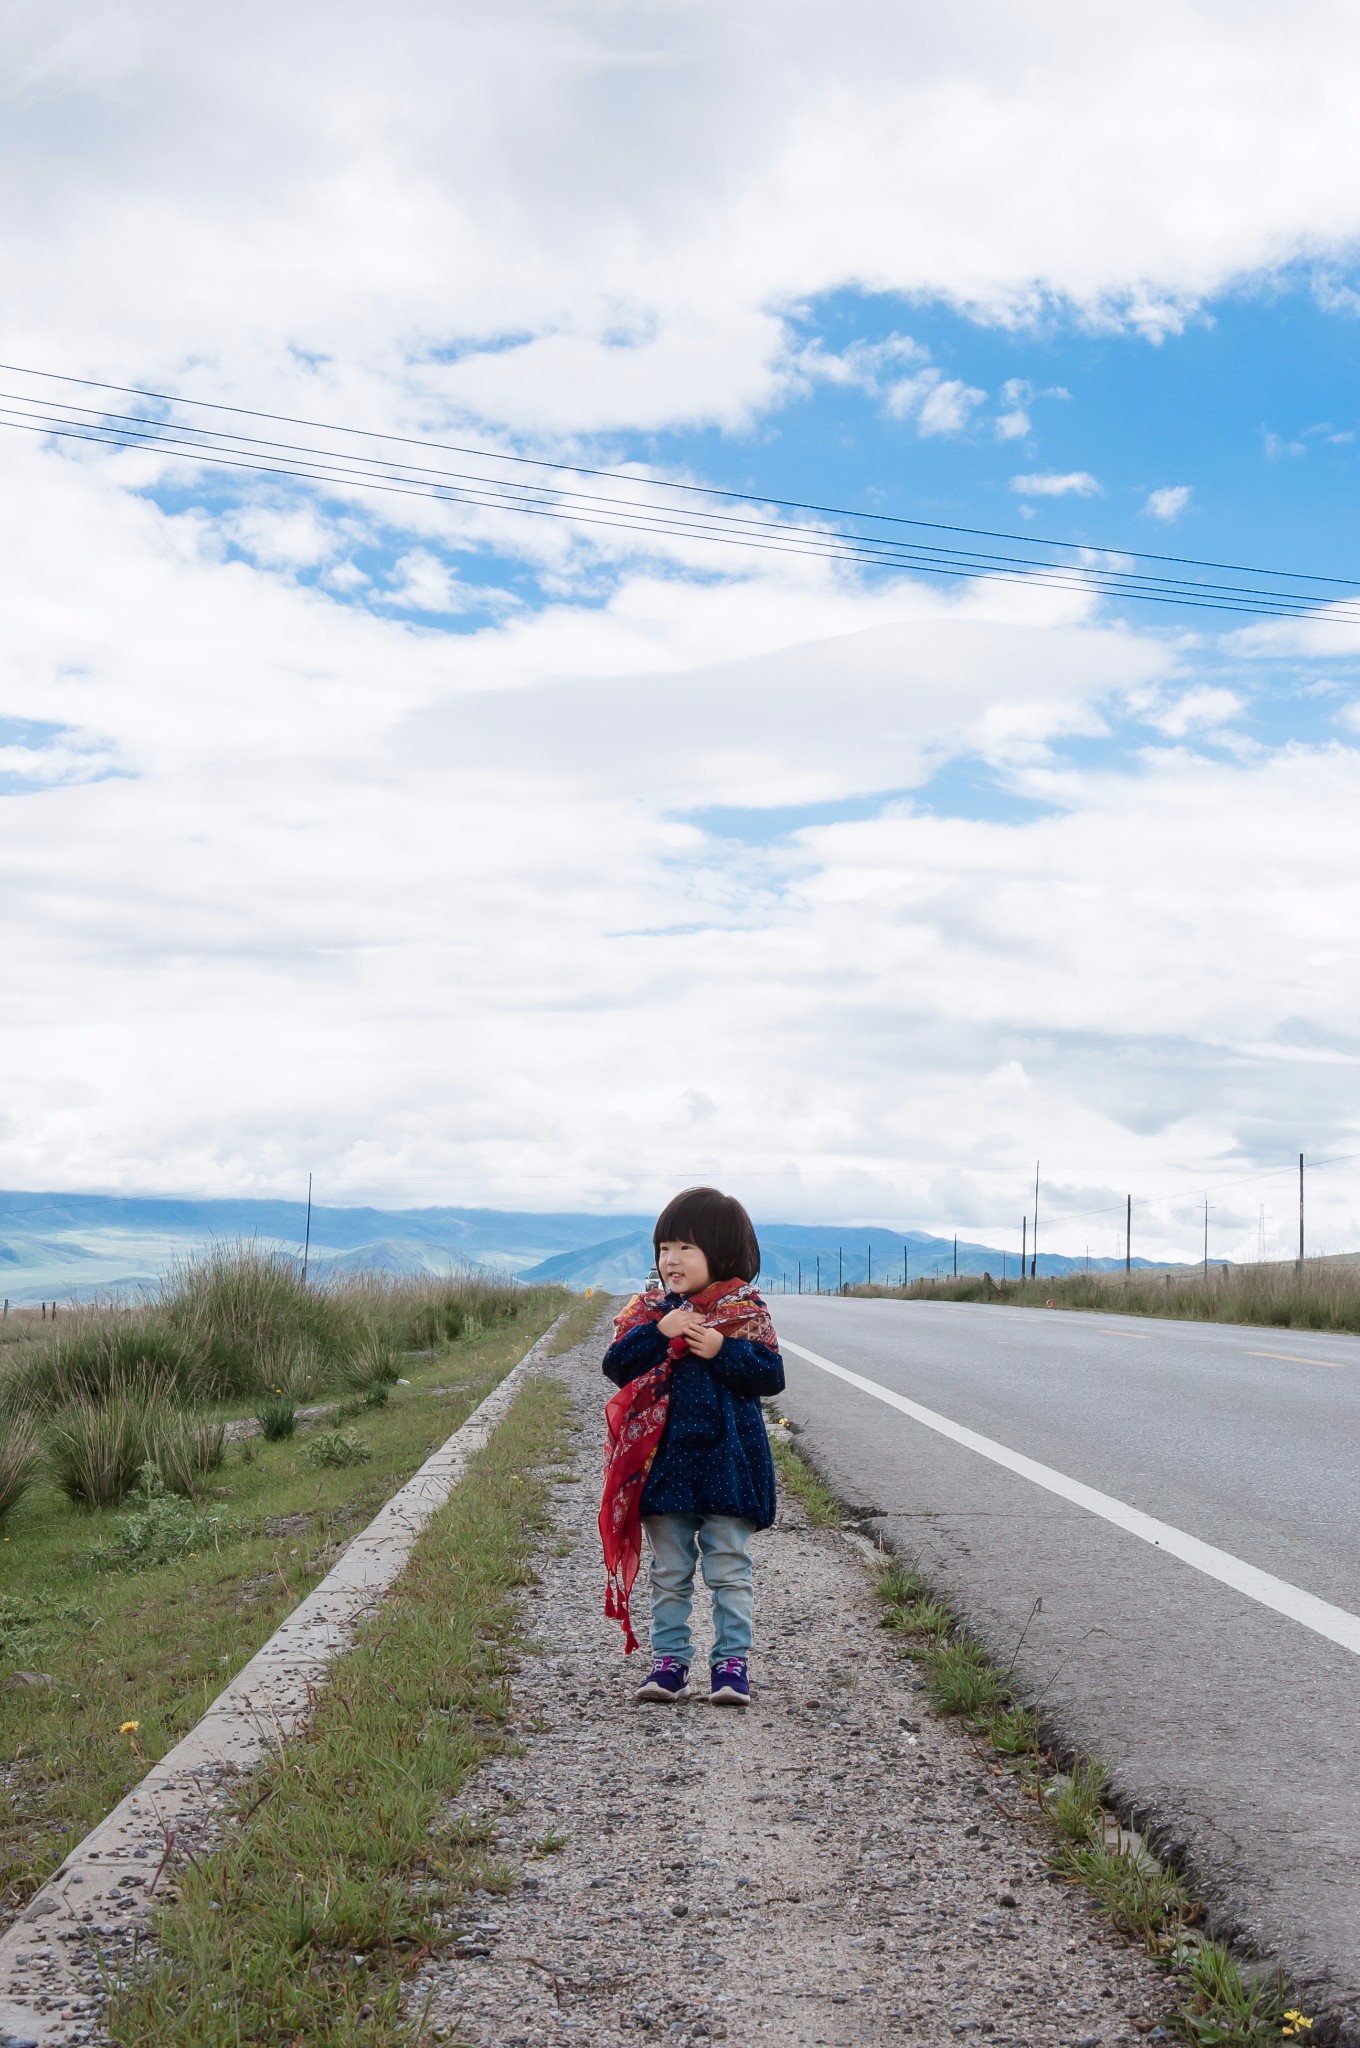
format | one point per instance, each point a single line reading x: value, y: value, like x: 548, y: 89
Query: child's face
x: 683, y: 1267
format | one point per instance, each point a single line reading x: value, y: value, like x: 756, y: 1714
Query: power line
x: 655, y: 482
x: 355, y: 472
x: 633, y: 513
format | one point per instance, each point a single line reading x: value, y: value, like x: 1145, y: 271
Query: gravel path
x: 833, y: 1866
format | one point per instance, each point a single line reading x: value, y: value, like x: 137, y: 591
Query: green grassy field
x: 338, y: 1876
x: 92, y: 1638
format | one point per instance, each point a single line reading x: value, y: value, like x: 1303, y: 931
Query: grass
x: 1323, y: 1295
x: 336, y: 1447
x: 582, y: 1315
x: 236, y: 1322
x: 1142, y: 1900
x: 276, y: 1413
x: 18, y: 1461
x: 155, y: 1642
x: 341, y: 1858
x: 819, y: 1503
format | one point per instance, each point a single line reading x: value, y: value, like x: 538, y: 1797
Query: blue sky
x: 459, y: 856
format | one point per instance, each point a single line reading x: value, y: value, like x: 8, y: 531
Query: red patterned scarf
x: 635, y: 1419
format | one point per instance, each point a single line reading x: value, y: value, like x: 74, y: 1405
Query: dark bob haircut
x: 720, y: 1227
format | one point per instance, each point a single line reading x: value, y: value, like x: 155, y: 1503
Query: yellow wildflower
x: 129, y: 1728
x: 1298, y: 2023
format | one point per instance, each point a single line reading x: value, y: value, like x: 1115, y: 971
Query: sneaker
x: 730, y: 1685
x: 665, y: 1681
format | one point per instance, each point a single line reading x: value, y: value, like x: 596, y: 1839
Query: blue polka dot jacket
x: 714, y: 1457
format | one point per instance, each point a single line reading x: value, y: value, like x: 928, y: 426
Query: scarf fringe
x: 617, y: 1607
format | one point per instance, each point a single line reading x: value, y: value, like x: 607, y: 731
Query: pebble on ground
x: 833, y: 1865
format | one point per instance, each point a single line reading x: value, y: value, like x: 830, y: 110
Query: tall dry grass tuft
x: 244, y: 1309
x: 421, y: 1311
x: 98, y: 1350
x: 18, y: 1461
x: 98, y: 1448
x: 102, y: 1449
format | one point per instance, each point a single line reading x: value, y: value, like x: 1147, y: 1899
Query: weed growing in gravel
x: 1075, y: 1805
x: 921, y: 1621
x: 961, y: 1679
x: 899, y: 1583
x: 1014, y: 1731
x: 818, y: 1501
x: 256, y: 1952
x: 1225, y: 2011
x: 1144, y: 1902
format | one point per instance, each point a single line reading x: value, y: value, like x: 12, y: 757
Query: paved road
x: 1231, y: 1726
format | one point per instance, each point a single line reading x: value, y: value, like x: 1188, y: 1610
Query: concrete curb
x: 101, y: 1888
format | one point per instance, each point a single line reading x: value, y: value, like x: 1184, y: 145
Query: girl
x: 687, y: 1457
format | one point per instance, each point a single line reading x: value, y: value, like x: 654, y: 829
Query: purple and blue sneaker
x: 665, y: 1681
x: 730, y: 1685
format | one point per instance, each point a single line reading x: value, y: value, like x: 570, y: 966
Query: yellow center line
x: 1138, y: 1336
x: 1301, y: 1358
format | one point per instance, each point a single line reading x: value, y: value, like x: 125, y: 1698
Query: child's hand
x: 689, y: 1324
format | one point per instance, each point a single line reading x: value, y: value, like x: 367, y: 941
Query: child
x: 688, y: 1459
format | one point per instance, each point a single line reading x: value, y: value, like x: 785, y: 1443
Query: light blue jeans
x: 678, y: 1542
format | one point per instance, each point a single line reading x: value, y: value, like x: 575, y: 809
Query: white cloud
x: 1206, y: 707
x: 938, y: 404
x: 430, y: 911
x: 1012, y: 426
x: 488, y: 214
x: 1070, y: 483
x: 1169, y: 502
x: 420, y: 582
x: 1276, y: 446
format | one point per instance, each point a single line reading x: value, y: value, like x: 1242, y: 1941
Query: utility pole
x: 1128, y: 1234
x: 1024, y: 1245
x: 800, y: 1276
x: 1300, y: 1265
x: 840, y: 1271
x: 870, y: 1280
x: 307, y: 1240
x: 1034, y: 1253
x: 904, y: 1266
x: 819, y: 1272
x: 956, y: 1255
x: 1206, y: 1237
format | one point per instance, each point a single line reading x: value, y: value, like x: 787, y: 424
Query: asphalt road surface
x: 1182, y: 1498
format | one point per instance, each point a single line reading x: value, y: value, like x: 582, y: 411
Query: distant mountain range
x: 60, y: 1247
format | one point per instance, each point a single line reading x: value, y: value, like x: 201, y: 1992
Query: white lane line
x: 1300, y: 1358
x: 1336, y: 1623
